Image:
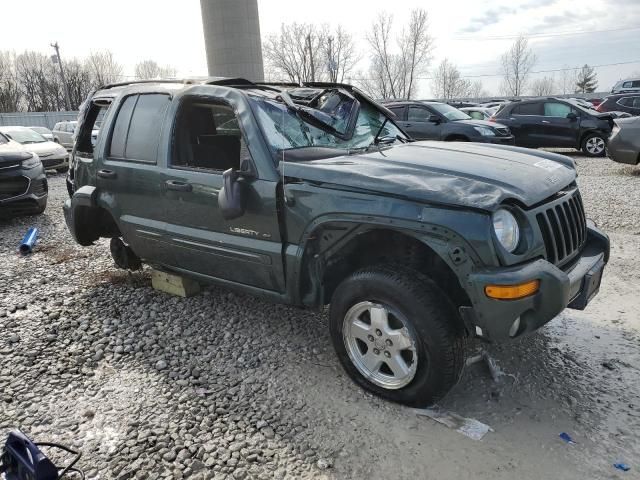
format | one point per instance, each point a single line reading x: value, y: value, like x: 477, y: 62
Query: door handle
x: 408, y: 125
x: 544, y: 121
x: 107, y: 174
x: 178, y: 186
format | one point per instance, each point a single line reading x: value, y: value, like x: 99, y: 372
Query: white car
x: 53, y: 156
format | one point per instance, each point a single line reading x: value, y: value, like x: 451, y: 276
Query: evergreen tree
x: 586, y: 82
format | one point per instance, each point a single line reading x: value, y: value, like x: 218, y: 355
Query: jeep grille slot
x: 563, y: 227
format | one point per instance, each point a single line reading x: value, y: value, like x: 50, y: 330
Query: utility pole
x: 56, y: 59
x: 313, y: 67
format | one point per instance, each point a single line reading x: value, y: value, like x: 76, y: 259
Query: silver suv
x: 630, y: 85
x: 63, y: 133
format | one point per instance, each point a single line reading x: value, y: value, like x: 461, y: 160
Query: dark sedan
x: 624, y: 143
x: 556, y: 123
x: 439, y: 121
x: 23, y: 183
x: 626, y: 102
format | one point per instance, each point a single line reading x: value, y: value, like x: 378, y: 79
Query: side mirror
x: 572, y: 116
x: 231, y: 198
x: 434, y: 119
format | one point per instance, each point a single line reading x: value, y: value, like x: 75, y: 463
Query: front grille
x: 13, y: 186
x: 50, y: 162
x: 564, y: 228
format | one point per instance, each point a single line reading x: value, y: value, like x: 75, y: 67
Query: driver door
x: 418, y: 125
x: 246, y: 250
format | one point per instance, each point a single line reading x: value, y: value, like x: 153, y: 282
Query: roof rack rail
x: 139, y: 82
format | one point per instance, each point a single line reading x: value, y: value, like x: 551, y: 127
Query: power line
x: 534, y: 72
x: 543, y: 35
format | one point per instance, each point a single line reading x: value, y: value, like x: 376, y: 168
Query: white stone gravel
x: 224, y: 385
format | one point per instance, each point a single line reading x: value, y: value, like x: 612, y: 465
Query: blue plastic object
x: 22, y: 459
x: 29, y: 241
x: 566, y: 437
x: 622, y: 466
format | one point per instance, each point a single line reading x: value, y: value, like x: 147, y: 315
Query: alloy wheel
x: 380, y: 344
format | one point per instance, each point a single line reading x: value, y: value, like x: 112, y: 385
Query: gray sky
x: 471, y: 33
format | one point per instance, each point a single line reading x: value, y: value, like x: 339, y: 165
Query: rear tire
x: 397, y: 334
x: 594, y: 145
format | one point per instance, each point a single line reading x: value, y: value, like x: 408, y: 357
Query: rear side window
x: 626, y: 85
x: 632, y: 102
x: 56, y: 126
x: 119, y: 136
x: 528, y: 109
x: 136, y: 133
x: 635, y: 84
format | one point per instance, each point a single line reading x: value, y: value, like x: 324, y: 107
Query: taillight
x: 492, y: 118
x: 599, y: 107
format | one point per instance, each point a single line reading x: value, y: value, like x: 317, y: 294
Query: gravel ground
x: 227, y: 385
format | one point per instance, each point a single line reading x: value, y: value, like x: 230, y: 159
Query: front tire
x: 594, y: 145
x: 397, y: 335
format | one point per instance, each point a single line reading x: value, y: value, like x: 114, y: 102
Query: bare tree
x: 40, y: 84
x: 79, y: 82
x: 149, y: 70
x: 393, y: 73
x: 416, y: 46
x: 543, y: 87
x: 9, y: 86
x: 447, y: 82
x: 384, y: 65
x: 340, y: 53
x: 298, y: 53
x: 568, y: 79
x: 477, y: 91
x: 516, y: 67
x: 103, y: 68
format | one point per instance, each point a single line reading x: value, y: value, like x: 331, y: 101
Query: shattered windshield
x: 285, y: 130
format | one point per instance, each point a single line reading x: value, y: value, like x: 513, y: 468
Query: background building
x: 232, y: 38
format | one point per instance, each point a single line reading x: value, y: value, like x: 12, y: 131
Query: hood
x: 472, y: 175
x: 45, y: 149
x: 12, y: 153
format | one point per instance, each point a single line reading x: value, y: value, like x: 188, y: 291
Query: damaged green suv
x: 312, y: 195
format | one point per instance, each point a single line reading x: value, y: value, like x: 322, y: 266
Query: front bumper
x: 559, y: 289
x: 56, y: 163
x: 22, y: 192
x: 621, y: 149
x: 496, y: 139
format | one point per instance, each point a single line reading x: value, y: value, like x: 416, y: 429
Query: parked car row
x: 440, y: 121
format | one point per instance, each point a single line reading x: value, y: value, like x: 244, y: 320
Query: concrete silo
x: 232, y: 38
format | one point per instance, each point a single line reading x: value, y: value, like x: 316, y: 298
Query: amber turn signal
x: 512, y: 292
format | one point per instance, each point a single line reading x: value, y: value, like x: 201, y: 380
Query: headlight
x: 31, y: 162
x: 507, y: 230
x: 485, y: 131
